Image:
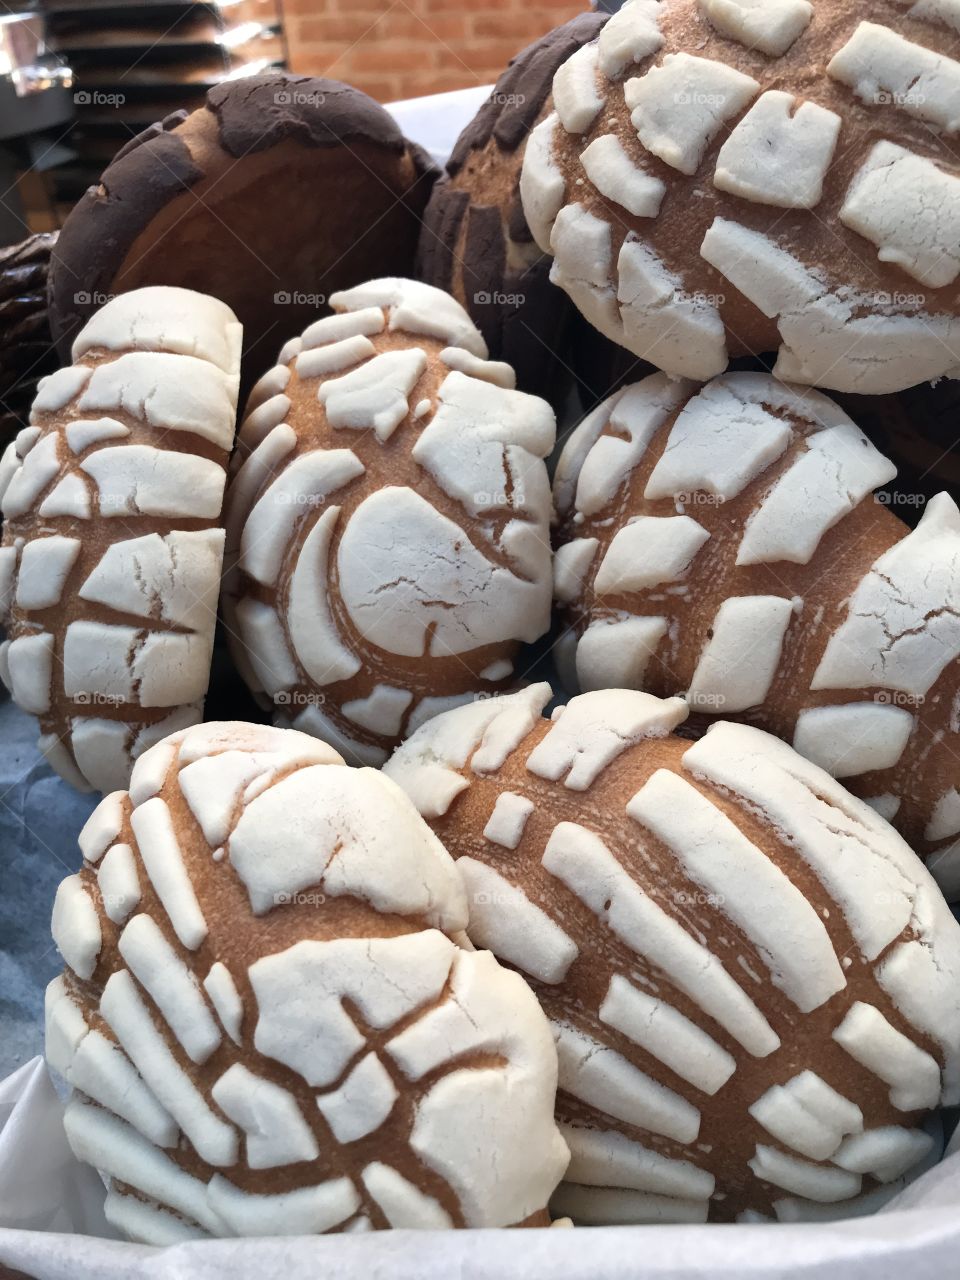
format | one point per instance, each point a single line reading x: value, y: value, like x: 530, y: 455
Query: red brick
x: 489, y: 53
x: 316, y: 59
x: 359, y: 26
x: 383, y: 89
x: 520, y: 26
x: 372, y: 7
x: 389, y: 57
x: 440, y: 26
x: 439, y: 82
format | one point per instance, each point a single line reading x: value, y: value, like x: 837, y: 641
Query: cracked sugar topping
x: 725, y: 545
x: 697, y: 152
x: 388, y: 524
x: 285, y: 1039
x: 111, y: 555
x: 750, y: 977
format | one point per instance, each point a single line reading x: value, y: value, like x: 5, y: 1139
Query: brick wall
x: 403, y: 48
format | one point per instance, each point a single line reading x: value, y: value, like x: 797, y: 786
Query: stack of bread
x: 420, y: 953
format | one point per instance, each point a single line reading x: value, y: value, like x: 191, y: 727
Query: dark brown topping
x: 518, y: 97
x: 257, y: 113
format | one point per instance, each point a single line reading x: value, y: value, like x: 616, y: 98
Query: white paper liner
x: 53, y: 1229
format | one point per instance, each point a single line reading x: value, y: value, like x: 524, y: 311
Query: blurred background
x: 79, y: 78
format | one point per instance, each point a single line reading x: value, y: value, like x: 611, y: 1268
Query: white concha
x: 267, y: 1023
x: 388, y: 521
x: 697, y: 152
x: 725, y: 545
x: 112, y: 539
x: 751, y: 978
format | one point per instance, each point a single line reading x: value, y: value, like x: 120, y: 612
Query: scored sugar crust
x: 388, y: 539
x: 234, y: 199
x: 268, y: 1019
x: 751, y: 978
x: 724, y: 544
x: 733, y: 177
x: 112, y: 538
x: 475, y: 241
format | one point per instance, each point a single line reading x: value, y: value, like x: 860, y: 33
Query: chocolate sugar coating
x: 236, y: 200
x: 26, y: 351
x: 476, y: 243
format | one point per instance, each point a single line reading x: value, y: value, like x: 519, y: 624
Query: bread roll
x: 26, y: 351
x: 267, y: 1016
x: 732, y: 177
x: 724, y: 545
x: 752, y: 981
x: 388, y: 536
x: 112, y: 539
x: 475, y: 241
x: 275, y: 193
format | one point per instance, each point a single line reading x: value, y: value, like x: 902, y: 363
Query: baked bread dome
x: 723, y: 544
x: 476, y: 243
x: 388, y: 524
x: 752, y: 980
x: 267, y: 1019
x: 112, y: 535
x: 235, y: 199
x: 733, y: 177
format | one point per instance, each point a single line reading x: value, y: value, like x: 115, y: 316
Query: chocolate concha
x: 734, y: 177
x: 752, y: 980
x: 277, y: 192
x: 26, y: 348
x: 388, y: 523
x: 269, y: 1019
x: 724, y: 544
x: 476, y: 243
x: 112, y: 535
